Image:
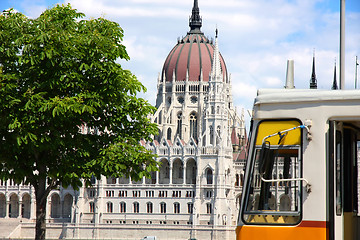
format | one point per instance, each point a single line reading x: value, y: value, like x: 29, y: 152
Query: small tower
x: 334, y: 85
x: 313, y: 81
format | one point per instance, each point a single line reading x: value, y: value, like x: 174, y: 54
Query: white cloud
x: 255, y: 38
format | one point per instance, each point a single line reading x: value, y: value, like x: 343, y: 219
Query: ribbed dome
x: 193, y: 53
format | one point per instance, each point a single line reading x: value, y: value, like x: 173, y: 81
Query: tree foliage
x: 57, y: 74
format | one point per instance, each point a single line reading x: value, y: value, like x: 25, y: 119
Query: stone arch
x: 26, y: 205
x: 2, y: 205
x: 55, y: 207
x: 14, y: 205
x: 285, y: 203
x: 164, y: 172
x: 68, y: 202
x: 177, y: 172
x: 191, y: 170
x: 272, y: 202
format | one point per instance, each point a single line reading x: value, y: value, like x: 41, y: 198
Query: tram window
x: 271, y: 197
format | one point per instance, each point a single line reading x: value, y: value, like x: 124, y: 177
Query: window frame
x: 251, y: 176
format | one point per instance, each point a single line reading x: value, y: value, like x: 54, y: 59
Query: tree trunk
x: 41, y: 196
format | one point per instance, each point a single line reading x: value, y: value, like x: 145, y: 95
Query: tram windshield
x: 273, y: 194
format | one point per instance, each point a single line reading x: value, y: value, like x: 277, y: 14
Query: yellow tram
x: 301, y: 179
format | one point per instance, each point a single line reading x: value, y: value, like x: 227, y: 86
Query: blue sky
x: 255, y: 37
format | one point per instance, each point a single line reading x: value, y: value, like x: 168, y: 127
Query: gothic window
x: 218, y: 134
x: 179, y: 124
x: 209, y: 176
x: 212, y: 110
x: 193, y: 125
x: 217, y: 110
x: 193, y: 99
x: 181, y: 100
x: 160, y: 116
x: 168, y: 137
x: 211, y: 135
x: 136, y: 207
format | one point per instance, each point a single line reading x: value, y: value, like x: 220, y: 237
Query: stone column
x: 20, y: 209
x: 184, y: 173
x: 171, y: 173
x: 157, y: 177
x: 7, y: 209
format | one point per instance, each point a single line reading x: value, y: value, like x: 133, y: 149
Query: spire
x: 195, y: 21
x: 334, y: 86
x: 313, y: 81
x: 216, y: 65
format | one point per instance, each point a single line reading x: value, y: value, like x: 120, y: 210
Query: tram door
x: 342, y: 177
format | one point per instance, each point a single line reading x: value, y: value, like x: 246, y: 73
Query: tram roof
x: 270, y: 96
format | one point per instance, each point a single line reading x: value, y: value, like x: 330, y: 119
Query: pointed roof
x: 334, y: 86
x: 313, y: 81
x: 195, y: 21
x: 216, y: 64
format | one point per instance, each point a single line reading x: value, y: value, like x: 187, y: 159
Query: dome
x: 193, y: 54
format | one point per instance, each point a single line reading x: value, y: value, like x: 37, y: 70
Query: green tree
x: 58, y: 73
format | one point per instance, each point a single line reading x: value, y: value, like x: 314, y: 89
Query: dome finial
x: 195, y: 21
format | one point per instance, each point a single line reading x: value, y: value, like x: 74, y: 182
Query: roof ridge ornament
x: 195, y: 21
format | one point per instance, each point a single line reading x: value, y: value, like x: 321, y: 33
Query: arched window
x: 136, y: 207
x: 149, y: 207
x: 179, y: 124
x: 55, y: 206
x: 237, y: 180
x: 162, y: 207
x: 193, y: 126
x: 211, y: 135
x: 218, y: 130
x: 92, y: 207
x: 109, y: 207
x: 122, y: 207
x: 209, y: 176
x: 208, y: 208
x: 212, y: 110
x: 190, y: 207
x: 67, y: 206
x: 176, y: 207
x: 168, y: 136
